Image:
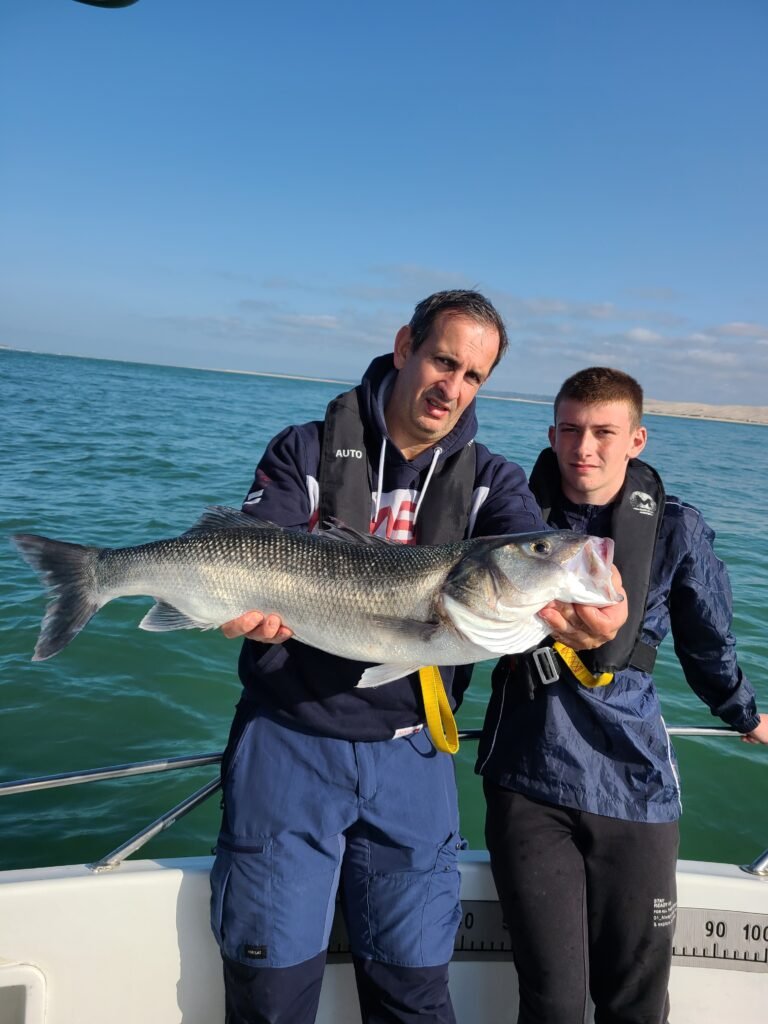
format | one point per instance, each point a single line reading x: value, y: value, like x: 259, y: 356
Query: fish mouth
x: 591, y: 566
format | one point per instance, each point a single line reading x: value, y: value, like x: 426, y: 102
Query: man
x: 580, y: 779
x: 326, y: 785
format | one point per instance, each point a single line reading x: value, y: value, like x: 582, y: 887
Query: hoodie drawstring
x: 380, y: 480
x: 432, y: 467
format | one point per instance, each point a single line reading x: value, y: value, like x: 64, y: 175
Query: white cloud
x: 312, y: 320
x: 642, y: 334
x: 720, y: 358
x: 741, y: 329
x: 700, y: 337
x: 674, y: 356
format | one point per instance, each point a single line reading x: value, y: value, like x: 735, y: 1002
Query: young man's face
x: 593, y: 444
x: 437, y: 382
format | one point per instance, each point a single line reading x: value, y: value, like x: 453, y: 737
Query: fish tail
x: 68, y: 573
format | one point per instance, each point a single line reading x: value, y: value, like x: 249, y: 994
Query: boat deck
x: 134, y: 945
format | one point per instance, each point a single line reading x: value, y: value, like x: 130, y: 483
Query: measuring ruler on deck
x: 728, y: 939
x: 723, y: 939
x: 481, y: 934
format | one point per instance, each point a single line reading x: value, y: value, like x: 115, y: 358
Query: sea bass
x: 360, y: 597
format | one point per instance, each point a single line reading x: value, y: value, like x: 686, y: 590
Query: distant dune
x: 755, y: 414
x: 697, y: 410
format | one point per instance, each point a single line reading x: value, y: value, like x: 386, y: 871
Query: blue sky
x: 249, y: 185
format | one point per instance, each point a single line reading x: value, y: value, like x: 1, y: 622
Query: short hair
x: 598, y: 384
x: 458, y: 303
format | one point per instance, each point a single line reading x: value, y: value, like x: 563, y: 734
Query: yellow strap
x: 440, y: 720
x: 579, y: 669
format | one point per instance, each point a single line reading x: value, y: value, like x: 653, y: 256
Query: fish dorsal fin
x: 220, y: 517
x: 336, y: 530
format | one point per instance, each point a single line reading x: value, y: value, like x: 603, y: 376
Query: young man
x: 580, y: 779
x: 326, y: 785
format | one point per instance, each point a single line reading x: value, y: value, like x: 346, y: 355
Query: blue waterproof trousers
x: 305, y: 815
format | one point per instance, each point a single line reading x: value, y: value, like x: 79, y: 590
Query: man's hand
x: 268, y: 629
x: 583, y: 627
x: 759, y: 734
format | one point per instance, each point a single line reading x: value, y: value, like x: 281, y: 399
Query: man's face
x: 593, y: 444
x: 437, y: 382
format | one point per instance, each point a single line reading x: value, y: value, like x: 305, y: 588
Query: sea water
x: 114, y: 453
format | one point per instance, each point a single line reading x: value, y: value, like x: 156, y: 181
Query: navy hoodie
x: 306, y: 688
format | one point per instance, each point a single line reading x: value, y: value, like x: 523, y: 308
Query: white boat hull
x: 134, y: 945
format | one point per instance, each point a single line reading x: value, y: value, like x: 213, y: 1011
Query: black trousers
x: 590, y: 905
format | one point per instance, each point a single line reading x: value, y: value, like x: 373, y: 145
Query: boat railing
x: 758, y: 867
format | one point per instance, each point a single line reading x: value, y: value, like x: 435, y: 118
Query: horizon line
x: 500, y: 397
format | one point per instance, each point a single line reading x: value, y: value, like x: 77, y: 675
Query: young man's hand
x: 583, y: 627
x: 759, y: 734
x: 268, y: 629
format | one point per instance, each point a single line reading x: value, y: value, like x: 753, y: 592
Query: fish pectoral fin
x: 498, y: 636
x: 163, y: 617
x: 377, y: 675
x: 404, y: 629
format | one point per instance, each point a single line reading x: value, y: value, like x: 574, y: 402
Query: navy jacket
x: 309, y: 689
x: 607, y: 750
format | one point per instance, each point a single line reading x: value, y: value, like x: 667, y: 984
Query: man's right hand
x: 267, y: 629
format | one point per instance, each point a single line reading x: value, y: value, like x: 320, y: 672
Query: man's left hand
x: 583, y: 627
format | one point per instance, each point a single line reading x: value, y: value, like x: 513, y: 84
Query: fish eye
x: 540, y: 547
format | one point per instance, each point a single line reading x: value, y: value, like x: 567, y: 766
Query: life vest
x: 635, y: 525
x: 346, y: 482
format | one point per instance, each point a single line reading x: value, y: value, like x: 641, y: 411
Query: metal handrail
x: 167, y: 764
x: 113, y: 859
x: 758, y: 867
x: 118, y: 771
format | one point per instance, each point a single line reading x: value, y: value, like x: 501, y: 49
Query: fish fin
x: 334, y: 529
x: 497, y: 636
x: 405, y: 629
x: 220, y: 517
x: 66, y: 570
x: 377, y: 675
x: 163, y: 617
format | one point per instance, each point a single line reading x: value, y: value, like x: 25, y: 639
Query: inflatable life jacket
x: 346, y: 484
x: 635, y: 525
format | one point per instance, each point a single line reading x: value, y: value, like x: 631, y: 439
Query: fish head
x: 556, y: 566
x: 493, y: 595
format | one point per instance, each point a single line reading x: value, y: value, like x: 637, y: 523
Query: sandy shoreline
x: 754, y: 414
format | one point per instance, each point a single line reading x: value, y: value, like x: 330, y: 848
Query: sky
x: 273, y: 186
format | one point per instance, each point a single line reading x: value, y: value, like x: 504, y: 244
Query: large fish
x: 396, y: 605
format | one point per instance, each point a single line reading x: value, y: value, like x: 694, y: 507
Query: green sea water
x: 117, y: 453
